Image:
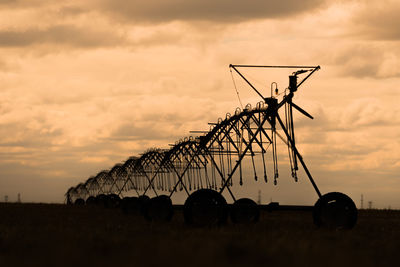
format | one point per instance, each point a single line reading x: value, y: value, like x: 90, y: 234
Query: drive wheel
x: 91, y: 201
x: 143, y: 201
x: 205, y: 207
x: 159, y: 209
x: 112, y: 201
x: 80, y: 202
x: 130, y: 205
x: 335, y: 211
x: 245, y: 211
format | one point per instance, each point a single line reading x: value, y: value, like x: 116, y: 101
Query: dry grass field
x: 61, y: 235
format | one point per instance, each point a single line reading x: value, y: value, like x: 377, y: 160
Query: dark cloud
x: 24, y: 3
x: 7, y: 2
x: 129, y: 131
x: 365, y: 60
x: 159, y: 37
x: 72, y: 10
x: 62, y: 35
x: 161, y: 11
x: 148, y: 130
x: 28, y: 137
x: 228, y: 11
x: 360, y: 61
x: 378, y: 20
x: 71, y: 36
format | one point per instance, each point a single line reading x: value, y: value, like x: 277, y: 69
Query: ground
x: 61, y: 235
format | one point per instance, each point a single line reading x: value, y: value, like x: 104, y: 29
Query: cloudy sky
x: 86, y: 84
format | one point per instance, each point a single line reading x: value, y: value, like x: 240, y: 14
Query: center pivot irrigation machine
x: 208, y: 166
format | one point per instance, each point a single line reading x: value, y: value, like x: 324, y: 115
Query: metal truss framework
x: 214, y: 160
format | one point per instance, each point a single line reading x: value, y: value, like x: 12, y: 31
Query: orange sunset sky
x: 86, y: 84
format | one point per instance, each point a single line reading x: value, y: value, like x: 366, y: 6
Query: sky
x: 86, y: 84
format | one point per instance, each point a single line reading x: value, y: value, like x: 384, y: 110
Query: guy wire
x: 237, y: 92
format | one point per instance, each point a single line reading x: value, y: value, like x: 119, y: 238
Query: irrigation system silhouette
x: 206, y: 166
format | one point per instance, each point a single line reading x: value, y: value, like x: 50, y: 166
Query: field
x: 61, y: 235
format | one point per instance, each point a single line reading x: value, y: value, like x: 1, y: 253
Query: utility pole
x: 362, y: 201
x: 19, y: 198
x: 370, y: 204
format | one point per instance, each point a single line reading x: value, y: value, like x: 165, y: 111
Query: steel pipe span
x: 205, y: 166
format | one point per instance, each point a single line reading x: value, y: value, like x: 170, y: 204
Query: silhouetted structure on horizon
x: 212, y: 163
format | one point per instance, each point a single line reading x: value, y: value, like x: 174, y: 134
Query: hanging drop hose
x: 288, y: 125
x: 240, y: 153
x: 192, y: 177
x: 168, y: 180
x: 221, y: 160
x: 195, y: 175
x: 250, y: 145
x: 274, y: 154
x: 201, y: 179
x: 263, y: 152
x: 162, y: 181
x: 174, y: 179
x: 206, y: 175
x: 213, y: 179
x: 229, y: 159
x: 146, y: 182
x: 252, y: 153
x: 220, y: 151
x: 181, y: 183
x: 166, y: 188
x: 291, y: 145
x: 186, y: 181
x: 294, y: 174
x: 189, y: 179
x: 228, y: 151
x: 156, y: 180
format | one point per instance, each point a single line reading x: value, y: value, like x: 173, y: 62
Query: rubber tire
x: 112, y: 201
x: 130, y: 205
x: 245, y: 211
x: 143, y: 203
x: 159, y: 209
x: 91, y: 201
x: 335, y: 211
x: 79, y: 202
x: 205, y: 207
x: 101, y: 200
